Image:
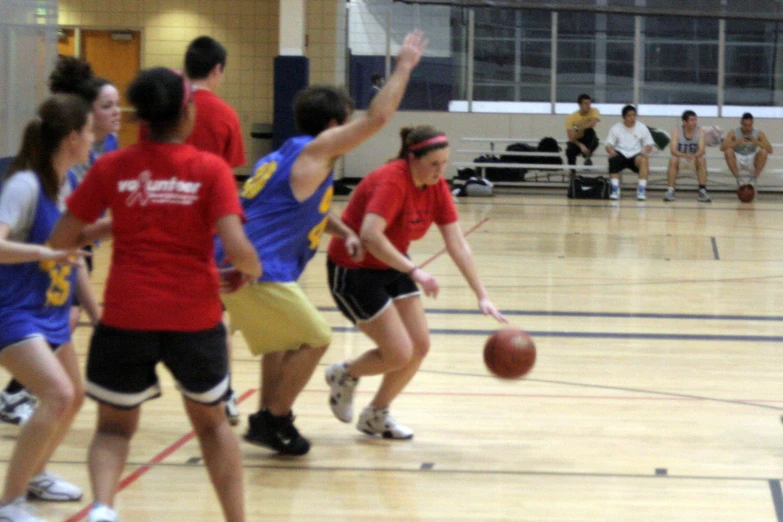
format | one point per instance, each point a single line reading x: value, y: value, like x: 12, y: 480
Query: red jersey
x: 217, y: 128
x: 409, y: 211
x: 165, y: 199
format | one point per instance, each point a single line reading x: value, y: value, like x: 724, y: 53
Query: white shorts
x: 746, y: 163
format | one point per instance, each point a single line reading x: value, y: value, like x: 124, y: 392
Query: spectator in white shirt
x: 629, y: 145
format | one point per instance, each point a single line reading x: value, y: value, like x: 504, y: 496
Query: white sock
x: 643, y: 183
x: 615, y: 182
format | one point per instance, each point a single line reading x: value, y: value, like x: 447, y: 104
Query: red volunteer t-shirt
x: 165, y: 199
x: 409, y: 211
x: 217, y: 128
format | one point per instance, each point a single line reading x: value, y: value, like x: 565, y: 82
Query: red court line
x: 443, y: 251
x: 157, y: 459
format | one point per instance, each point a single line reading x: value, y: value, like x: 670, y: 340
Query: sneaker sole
x: 51, y: 498
x: 264, y: 444
x: 386, y: 435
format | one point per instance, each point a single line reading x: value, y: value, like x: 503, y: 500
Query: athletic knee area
x: 58, y: 400
x: 397, y: 358
x: 421, y: 349
x: 729, y: 154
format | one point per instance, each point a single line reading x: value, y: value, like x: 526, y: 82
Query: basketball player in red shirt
x: 391, y: 207
x: 217, y: 126
x: 166, y: 200
x: 217, y: 130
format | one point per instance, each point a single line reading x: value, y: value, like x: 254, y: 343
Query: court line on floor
x: 144, y: 468
x: 614, y: 315
x: 777, y: 498
x: 715, y: 248
x: 602, y: 335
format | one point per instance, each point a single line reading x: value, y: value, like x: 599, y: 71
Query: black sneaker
x: 277, y: 433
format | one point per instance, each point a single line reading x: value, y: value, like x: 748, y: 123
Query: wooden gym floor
x: 656, y: 396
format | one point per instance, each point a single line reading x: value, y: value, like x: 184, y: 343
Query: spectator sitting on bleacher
x: 582, y: 138
x: 687, y: 147
x: 629, y: 145
x: 746, y: 149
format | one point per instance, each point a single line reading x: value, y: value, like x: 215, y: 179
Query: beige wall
x: 248, y: 29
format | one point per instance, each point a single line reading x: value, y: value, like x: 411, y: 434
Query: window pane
x: 679, y: 60
x: 595, y: 56
x: 750, y: 62
x: 512, y: 50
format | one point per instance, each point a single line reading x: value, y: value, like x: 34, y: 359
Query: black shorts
x: 620, y: 162
x: 363, y: 293
x: 121, y: 365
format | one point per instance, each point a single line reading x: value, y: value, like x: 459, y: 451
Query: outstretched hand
x: 487, y: 308
x: 71, y: 257
x: 412, y: 48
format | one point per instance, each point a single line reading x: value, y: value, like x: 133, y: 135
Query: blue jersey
x: 285, y: 232
x: 35, y: 298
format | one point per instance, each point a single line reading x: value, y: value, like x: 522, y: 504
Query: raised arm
x: 460, y: 253
x: 316, y: 160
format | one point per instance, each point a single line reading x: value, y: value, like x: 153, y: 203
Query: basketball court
x: 656, y: 394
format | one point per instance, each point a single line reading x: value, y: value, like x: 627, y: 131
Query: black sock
x: 702, y: 187
x: 14, y: 387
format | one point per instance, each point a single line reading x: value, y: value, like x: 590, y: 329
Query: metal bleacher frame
x: 719, y: 178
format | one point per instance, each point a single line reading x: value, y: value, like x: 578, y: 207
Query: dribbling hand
x: 487, y: 308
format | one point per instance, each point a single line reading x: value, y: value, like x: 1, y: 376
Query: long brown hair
x: 57, y: 118
x: 412, y: 136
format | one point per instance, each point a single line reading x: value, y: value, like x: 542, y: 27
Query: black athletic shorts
x: 620, y: 162
x: 121, y: 365
x: 363, y: 293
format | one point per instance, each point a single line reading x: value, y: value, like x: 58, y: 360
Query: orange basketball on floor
x: 509, y: 353
x: 746, y: 193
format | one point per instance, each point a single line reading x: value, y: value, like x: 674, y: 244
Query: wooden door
x: 66, y: 42
x: 116, y: 56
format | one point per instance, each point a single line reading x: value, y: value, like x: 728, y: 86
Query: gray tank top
x: 747, y: 147
x: 688, y: 146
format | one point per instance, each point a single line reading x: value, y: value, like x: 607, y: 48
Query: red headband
x: 426, y: 143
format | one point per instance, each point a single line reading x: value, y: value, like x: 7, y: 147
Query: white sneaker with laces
x: 614, y: 192
x: 102, y: 513
x: 669, y: 196
x: 641, y: 193
x: 232, y: 409
x: 341, y: 388
x: 375, y: 421
x: 18, y: 511
x: 50, y: 486
x: 703, y: 196
x: 16, y: 408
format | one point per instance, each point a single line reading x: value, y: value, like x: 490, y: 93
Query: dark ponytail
x: 57, y: 118
x: 414, y: 138
x: 160, y: 96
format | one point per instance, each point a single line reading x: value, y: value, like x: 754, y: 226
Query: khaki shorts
x: 275, y: 317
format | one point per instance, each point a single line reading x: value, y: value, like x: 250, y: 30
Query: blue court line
x: 613, y: 315
x: 777, y: 498
x: 605, y: 335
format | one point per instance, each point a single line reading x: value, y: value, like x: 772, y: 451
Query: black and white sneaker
x: 17, y: 408
x: 277, y: 433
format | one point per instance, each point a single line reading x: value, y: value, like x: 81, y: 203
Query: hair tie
x: 426, y: 143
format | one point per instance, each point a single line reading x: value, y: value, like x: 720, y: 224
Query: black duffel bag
x: 584, y: 187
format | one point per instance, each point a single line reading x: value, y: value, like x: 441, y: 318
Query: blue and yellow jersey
x: 35, y: 298
x: 285, y: 232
